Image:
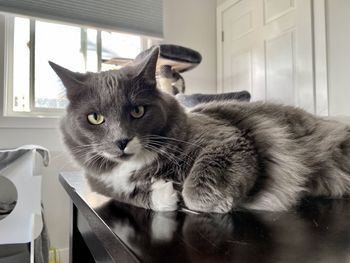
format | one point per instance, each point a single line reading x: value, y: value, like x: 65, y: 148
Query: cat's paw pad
x: 163, y: 196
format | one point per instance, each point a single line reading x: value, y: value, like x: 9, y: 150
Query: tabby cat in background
x: 138, y: 145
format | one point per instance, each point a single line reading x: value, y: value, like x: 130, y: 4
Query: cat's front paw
x: 163, y: 196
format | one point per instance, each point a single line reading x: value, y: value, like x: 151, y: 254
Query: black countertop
x: 316, y: 231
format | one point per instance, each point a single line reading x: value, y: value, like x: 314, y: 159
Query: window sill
x: 29, y: 122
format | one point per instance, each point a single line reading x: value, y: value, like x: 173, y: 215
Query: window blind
x: 143, y: 17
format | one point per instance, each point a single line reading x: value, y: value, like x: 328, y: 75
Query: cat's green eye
x: 137, y: 112
x: 95, y: 118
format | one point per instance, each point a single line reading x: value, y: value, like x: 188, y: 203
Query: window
x: 32, y: 87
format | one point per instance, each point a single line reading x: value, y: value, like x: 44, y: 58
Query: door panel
x: 280, y: 62
x: 239, y: 28
x: 267, y: 50
x: 276, y: 8
x: 241, y: 75
x: 242, y: 26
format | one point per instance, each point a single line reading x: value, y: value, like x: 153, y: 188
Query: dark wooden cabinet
x: 106, y: 231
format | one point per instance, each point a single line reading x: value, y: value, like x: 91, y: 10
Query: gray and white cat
x: 139, y: 146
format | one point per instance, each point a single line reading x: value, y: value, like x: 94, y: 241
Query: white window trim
x: 36, y: 119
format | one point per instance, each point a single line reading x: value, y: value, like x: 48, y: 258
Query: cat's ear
x: 73, y: 81
x: 146, y: 67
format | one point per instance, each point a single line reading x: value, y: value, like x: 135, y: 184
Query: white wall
x: 193, y: 24
x: 186, y: 22
x: 219, y: 2
x: 338, y: 55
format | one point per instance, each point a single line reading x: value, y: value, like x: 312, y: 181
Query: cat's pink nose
x: 122, y: 143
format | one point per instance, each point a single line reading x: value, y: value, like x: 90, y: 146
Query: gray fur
x: 219, y: 155
x: 195, y: 99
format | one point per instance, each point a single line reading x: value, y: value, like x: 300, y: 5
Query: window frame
x: 8, y: 104
x: 36, y: 117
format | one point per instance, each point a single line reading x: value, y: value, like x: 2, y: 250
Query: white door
x: 266, y: 48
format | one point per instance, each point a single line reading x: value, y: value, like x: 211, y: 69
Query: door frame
x: 219, y: 47
x: 320, y: 71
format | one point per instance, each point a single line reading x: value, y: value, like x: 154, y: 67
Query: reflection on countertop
x: 317, y: 231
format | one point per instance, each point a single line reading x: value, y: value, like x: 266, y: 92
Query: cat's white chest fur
x: 163, y: 196
x: 119, y: 177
